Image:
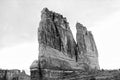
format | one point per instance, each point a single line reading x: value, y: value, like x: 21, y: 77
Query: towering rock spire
x: 58, y: 50
x: 55, y: 32
x: 87, y: 50
x: 56, y: 40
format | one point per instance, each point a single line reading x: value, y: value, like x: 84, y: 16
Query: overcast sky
x: 19, y: 20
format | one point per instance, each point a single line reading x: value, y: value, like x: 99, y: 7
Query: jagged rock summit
x: 58, y: 50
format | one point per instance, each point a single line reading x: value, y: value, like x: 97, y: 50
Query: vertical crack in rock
x: 59, y: 54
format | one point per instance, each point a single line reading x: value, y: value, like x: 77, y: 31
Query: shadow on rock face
x: 93, y: 78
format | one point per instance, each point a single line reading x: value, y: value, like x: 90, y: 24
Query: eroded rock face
x: 58, y: 49
x: 87, y: 51
x: 55, y: 32
x: 56, y: 43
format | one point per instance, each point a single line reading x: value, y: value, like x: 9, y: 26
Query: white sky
x: 19, y: 20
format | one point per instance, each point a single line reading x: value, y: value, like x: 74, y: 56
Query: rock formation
x: 34, y: 69
x: 87, y: 51
x: 59, y: 54
x: 13, y: 75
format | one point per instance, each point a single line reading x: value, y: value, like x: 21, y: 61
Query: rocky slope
x: 58, y: 51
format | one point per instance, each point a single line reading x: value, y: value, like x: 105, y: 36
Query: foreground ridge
x: 60, y: 57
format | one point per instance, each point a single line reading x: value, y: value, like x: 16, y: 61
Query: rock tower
x: 59, y: 54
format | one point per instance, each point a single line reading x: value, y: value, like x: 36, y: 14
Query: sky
x: 19, y: 21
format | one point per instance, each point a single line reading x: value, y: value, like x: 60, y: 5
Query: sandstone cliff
x: 57, y: 47
x: 59, y: 54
